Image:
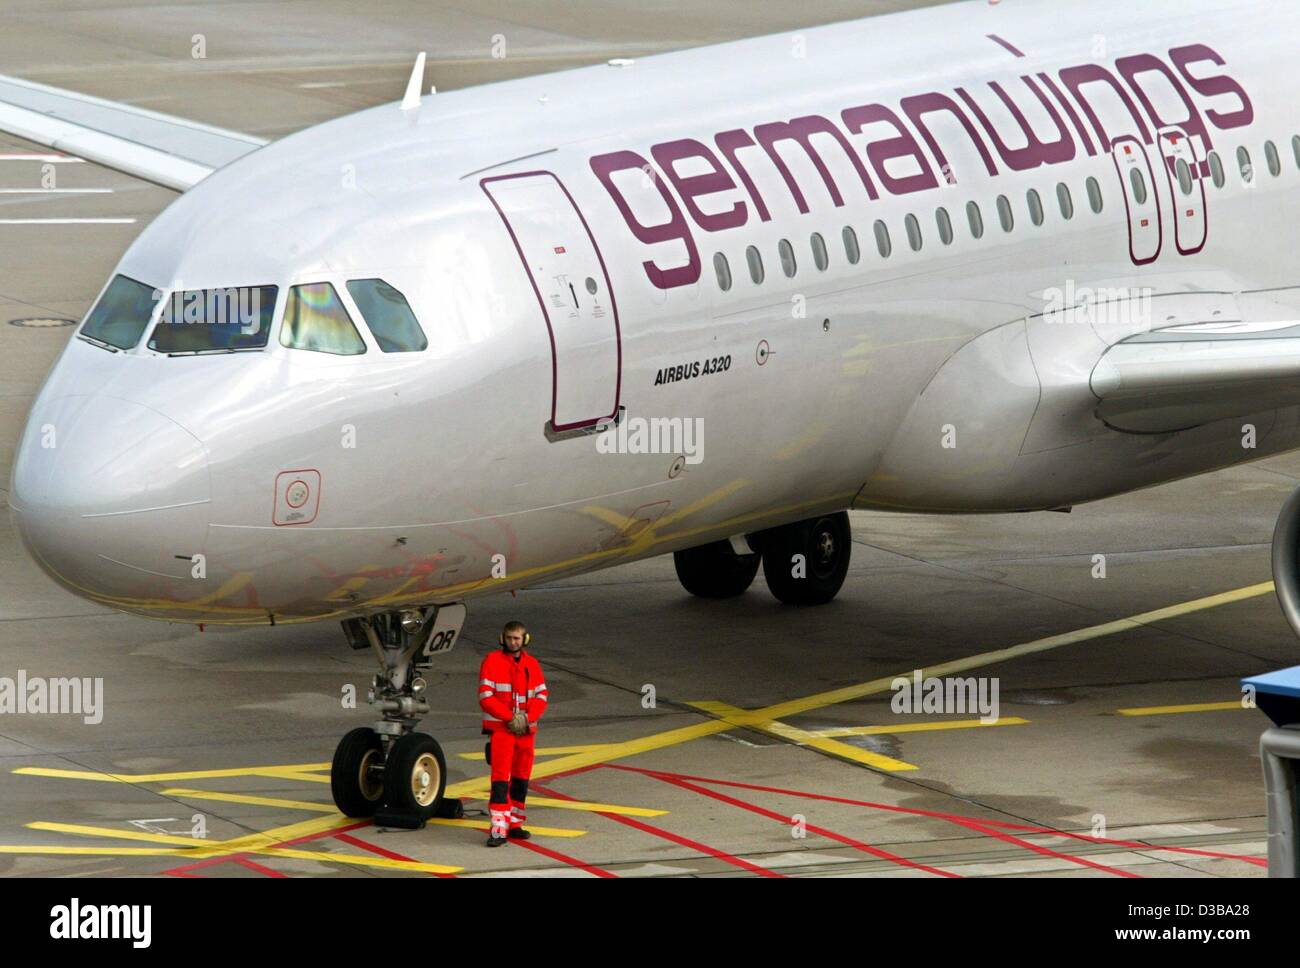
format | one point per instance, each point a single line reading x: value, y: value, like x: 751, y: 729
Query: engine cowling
x: 1286, y: 560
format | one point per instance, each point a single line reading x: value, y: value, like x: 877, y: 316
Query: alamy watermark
x: 54, y: 696
x: 1100, y: 306
x: 655, y: 435
x: 950, y: 695
x: 239, y: 305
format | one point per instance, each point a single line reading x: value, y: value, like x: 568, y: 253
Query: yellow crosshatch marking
x: 567, y: 758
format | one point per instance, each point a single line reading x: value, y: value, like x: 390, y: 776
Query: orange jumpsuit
x: 508, y: 683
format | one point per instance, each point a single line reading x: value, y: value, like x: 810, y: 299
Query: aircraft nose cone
x: 109, y: 496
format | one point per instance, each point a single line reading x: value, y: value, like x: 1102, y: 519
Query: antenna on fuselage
x: 412, y: 97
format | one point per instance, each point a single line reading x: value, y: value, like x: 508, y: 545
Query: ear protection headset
x: 501, y: 639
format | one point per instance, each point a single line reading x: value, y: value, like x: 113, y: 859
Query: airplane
x: 977, y: 258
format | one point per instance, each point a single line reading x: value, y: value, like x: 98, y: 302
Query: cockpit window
x: 314, y: 319
x: 215, y: 320
x: 122, y: 313
x: 388, y: 315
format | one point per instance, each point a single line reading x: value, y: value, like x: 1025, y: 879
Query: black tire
x: 355, y: 778
x: 415, y: 776
x: 715, y: 570
x: 825, y: 543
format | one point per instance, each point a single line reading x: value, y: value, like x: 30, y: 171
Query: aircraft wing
x: 1172, y: 379
x: 166, y: 150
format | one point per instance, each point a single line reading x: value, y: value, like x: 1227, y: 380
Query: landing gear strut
x: 390, y: 771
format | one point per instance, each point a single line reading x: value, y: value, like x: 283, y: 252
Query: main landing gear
x: 804, y: 563
x: 389, y: 771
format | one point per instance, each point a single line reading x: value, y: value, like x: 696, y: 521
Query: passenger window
x: 314, y: 319
x: 723, y: 270
x: 755, y: 260
x: 122, y: 313
x: 1243, y: 162
x: 1066, y: 202
x: 1005, y: 217
x: 851, y: 250
x: 820, y: 257
x: 1184, y: 177
x: 882, y: 239
x: 1139, y: 186
x: 1216, y: 166
x: 1271, y: 156
x: 945, y: 225
x: 786, y: 251
x: 913, y: 232
x: 975, y: 219
x: 1094, y: 195
x: 1035, y: 203
x: 388, y: 315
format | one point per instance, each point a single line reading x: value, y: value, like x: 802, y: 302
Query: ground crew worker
x: 513, y: 697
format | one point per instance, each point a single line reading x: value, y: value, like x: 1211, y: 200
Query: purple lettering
x: 1076, y: 77
x: 921, y: 104
x: 1213, y: 86
x: 902, y: 145
x: 1035, y: 152
x: 675, y: 229
x: 802, y: 130
x: 1070, y: 112
x: 692, y: 187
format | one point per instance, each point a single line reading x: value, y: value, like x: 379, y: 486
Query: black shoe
x: 496, y: 841
x: 519, y: 833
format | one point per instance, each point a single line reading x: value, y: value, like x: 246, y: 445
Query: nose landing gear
x: 390, y: 771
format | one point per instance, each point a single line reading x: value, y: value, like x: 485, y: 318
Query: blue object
x: 1278, y: 695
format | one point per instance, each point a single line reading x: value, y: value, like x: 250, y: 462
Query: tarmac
x: 685, y: 737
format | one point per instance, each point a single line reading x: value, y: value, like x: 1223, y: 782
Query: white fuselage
x: 944, y: 376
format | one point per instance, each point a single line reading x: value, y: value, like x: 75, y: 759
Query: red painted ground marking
x: 564, y: 858
x: 821, y: 831
x: 254, y: 866
x: 183, y: 870
x: 1040, y: 849
x: 668, y: 835
x: 950, y: 817
x: 381, y: 851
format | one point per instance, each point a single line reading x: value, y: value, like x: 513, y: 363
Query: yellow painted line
x: 175, y: 840
x: 300, y: 775
x: 250, y: 799
x: 284, y: 772
x: 603, y: 753
x: 684, y: 734
x: 741, y: 717
x: 1199, y: 707
x: 96, y: 851
x: 484, y: 825
x: 594, y: 807
x: 206, y: 848
x: 279, y: 835
x: 875, y: 686
x: 362, y: 860
x: 917, y: 727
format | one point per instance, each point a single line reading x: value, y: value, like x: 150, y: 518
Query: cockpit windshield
x: 215, y: 320
x: 122, y: 313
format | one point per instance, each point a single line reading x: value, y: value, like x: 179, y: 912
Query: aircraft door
x: 1186, y: 181
x: 1141, y: 199
x: 568, y: 276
